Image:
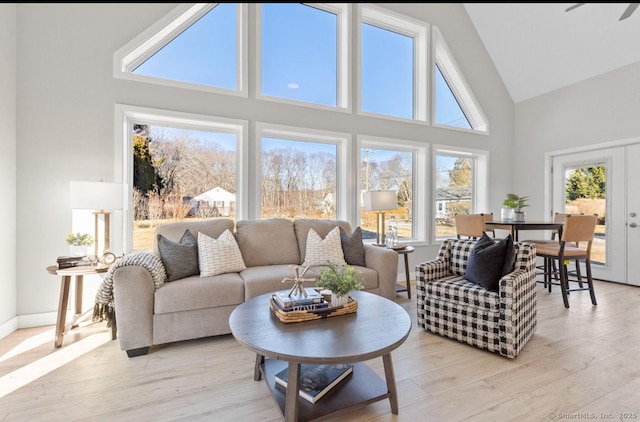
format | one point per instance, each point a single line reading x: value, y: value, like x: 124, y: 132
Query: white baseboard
x: 8, y: 327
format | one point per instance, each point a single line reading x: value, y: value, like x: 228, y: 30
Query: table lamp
x: 102, y: 197
x: 381, y: 201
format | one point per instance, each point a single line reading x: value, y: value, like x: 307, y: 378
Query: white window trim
x: 126, y: 115
x: 343, y: 75
x: 420, y: 210
x: 419, y: 31
x: 480, y: 186
x: 459, y: 87
x: 344, y: 155
x: 135, y: 52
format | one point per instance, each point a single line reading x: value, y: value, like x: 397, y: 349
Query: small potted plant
x: 78, y: 243
x: 340, y: 279
x: 516, y: 203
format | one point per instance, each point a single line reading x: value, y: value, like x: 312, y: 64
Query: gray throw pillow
x: 180, y: 259
x: 352, y: 247
x: 486, y: 262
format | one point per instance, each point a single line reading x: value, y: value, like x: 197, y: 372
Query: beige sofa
x: 195, y: 307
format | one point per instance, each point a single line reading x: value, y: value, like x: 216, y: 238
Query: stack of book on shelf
x: 316, y: 380
x: 297, y: 302
x: 72, y: 261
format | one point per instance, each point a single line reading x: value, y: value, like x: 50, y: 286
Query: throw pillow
x: 510, y: 255
x: 353, y: 247
x: 180, y: 259
x: 486, y: 262
x: 319, y: 250
x: 219, y: 256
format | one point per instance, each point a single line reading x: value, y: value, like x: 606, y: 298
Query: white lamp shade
x: 96, y: 195
x: 380, y: 200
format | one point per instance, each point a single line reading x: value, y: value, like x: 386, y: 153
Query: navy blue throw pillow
x: 510, y: 255
x: 486, y: 262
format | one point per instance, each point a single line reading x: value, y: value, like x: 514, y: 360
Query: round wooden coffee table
x: 378, y: 327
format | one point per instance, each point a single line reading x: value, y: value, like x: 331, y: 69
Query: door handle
x: 632, y: 225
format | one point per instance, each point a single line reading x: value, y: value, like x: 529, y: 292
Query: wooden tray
x: 300, y: 316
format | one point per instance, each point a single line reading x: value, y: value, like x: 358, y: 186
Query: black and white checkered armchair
x: 449, y: 305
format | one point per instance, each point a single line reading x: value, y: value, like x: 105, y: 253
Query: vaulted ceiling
x: 539, y: 47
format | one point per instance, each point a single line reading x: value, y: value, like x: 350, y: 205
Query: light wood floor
x: 582, y: 363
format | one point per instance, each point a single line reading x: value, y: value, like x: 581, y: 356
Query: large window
x: 179, y: 167
x: 459, y: 187
x: 303, y: 53
x: 302, y: 173
x: 391, y: 164
x: 393, y: 72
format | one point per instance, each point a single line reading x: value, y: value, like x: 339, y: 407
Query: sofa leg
x: 138, y: 352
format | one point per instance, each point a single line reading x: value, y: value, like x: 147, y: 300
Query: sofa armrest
x: 385, y: 262
x: 133, y: 293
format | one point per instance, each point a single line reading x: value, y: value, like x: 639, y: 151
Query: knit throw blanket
x: 104, y: 308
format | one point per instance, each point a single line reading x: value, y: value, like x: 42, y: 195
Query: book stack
x: 316, y: 380
x: 72, y: 261
x: 296, y: 302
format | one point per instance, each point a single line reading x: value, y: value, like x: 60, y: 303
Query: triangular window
x: 455, y: 104
x: 194, y: 46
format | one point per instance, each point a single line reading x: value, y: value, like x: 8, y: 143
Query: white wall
x: 599, y: 110
x: 8, y: 322
x: 66, y: 96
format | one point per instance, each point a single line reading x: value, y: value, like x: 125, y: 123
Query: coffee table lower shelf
x: 360, y: 389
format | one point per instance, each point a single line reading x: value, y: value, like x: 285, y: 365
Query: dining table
x: 516, y: 226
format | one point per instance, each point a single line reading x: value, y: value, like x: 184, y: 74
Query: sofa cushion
x: 219, y: 256
x: 267, y: 242
x: 319, y: 250
x: 486, y: 262
x: 197, y: 292
x: 353, y: 247
x: 180, y: 259
x: 212, y: 227
x: 322, y: 227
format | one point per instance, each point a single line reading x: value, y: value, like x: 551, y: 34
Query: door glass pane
x: 585, y: 193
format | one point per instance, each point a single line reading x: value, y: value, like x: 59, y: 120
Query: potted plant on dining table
x: 514, y: 203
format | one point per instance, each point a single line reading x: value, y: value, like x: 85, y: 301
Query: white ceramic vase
x: 339, y: 300
x: 78, y: 250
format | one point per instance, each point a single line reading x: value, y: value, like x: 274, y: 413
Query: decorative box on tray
x: 312, y: 314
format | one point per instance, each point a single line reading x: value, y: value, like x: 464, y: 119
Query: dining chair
x: 470, y: 226
x: 488, y: 216
x: 578, y: 232
x: 557, y: 218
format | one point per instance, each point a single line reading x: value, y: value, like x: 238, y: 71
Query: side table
x: 399, y: 287
x: 78, y: 273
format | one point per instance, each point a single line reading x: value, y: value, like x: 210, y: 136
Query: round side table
x: 65, y: 283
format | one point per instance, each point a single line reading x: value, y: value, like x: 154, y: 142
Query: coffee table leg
x: 291, y: 399
x: 257, y: 374
x: 391, y: 383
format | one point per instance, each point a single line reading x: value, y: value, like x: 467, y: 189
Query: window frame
x: 126, y: 116
x: 343, y: 71
x: 420, y: 169
x: 419, y: 31
x: 458, y: 85
x: 479, y: 186
x: 151, y: 40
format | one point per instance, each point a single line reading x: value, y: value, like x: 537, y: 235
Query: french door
x: 616, y: 246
